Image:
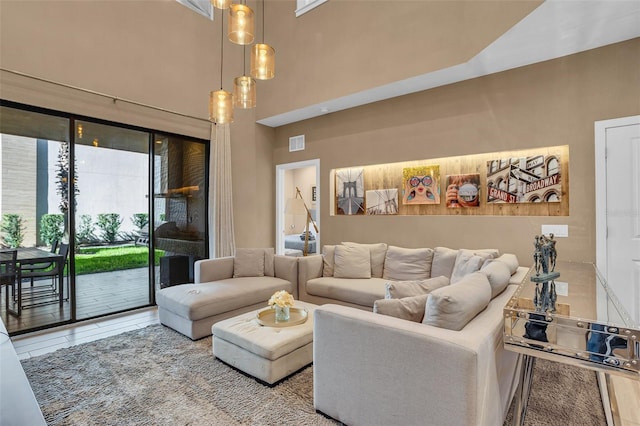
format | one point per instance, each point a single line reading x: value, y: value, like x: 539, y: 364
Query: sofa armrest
x: 309, y: 267
x: 207, y: 270
x: 427, y: 374
x: 286, y: 267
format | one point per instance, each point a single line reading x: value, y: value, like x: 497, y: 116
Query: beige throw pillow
x: 378, y: 252
x: 269, y: 259
x: 407, y: 308
x: 400, y: 289
x: 404, y: 264
x: 469, y: 261
x: 511, y: 261
x: 453, y: 306
x: 443, y: 260
x: 248, y: 262
x: 327, y: 260
x: 498, y: 274
x: 351, y: 262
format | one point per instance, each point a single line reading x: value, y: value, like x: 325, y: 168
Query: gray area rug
x: 155, y: 376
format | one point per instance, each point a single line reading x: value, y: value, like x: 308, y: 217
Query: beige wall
x: 547, y: 104
x: 162, y: 54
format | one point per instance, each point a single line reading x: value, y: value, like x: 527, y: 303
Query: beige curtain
x: 222, y: 242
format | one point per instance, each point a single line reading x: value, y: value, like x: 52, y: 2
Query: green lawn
x: 105, y: 259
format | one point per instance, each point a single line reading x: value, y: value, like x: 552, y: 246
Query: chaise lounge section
x: 225, y: 287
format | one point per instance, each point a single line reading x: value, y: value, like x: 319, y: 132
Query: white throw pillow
x: 453, y: 306
x: 378, y: 252
x: 511, y: 261
x: 407, y: 308
x: 469, y: 261
x: 351, y: 262
x: 443, y: 260
x: 248, y: 262
x: 327, y: 260
x: 400, y: 289
x: 498, y: 274
x: 404, y: 264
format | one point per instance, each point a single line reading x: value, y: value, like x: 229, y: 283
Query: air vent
x: 296, y: 143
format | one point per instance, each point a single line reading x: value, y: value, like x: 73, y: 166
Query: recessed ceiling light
x: 324, y: 110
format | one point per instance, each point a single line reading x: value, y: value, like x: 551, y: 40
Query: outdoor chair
x: 9, y: 277
x: 40, y: 266
x: 51, y: 271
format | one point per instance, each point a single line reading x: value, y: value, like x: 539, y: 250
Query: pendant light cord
x: 263, y: 21
x: 221, y: 48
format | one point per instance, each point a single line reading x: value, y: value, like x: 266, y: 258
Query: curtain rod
x: 93, y: 92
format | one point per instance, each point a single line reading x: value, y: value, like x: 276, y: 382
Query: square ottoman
x: 267, y: 353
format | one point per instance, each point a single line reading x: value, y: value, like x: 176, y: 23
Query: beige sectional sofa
x: 225, y: 287
x: 444, y: 365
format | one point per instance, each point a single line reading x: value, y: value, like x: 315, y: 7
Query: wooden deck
x: 96, y: 295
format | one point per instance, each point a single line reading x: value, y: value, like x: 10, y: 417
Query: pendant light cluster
x: 241, y: 31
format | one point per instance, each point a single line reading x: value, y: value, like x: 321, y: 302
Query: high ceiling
x: 556, y: 28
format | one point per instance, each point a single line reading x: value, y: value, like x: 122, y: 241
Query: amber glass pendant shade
x: 241, y: 24
x: 221, y: 107
x: 221, y: 4
x: 263, y: 62
x: 244, y: 91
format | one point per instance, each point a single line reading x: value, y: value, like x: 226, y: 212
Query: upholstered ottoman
x: 266, y: 353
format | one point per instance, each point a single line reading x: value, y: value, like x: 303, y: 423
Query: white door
x: 618, y: 209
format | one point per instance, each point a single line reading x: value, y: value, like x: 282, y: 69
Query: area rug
x: 155, y: 376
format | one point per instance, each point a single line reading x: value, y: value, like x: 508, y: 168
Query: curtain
x: 222, y: 243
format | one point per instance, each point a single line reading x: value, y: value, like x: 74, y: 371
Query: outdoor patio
x: 96, y: 294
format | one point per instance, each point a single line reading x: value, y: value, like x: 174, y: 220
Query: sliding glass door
x: 123, y: 209
x: 33, y: 214
x: 111, y: 215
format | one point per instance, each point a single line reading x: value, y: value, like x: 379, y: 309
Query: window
x: 303, y: 6
x: 552, y: 166
x: 203, y: 7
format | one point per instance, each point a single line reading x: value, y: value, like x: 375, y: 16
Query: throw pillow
x: 404, y: 264
x: 511, y: 261
x: 443, y: 261
x: 351, y: 262
x: 327, y: 260
x: 269, y: 268
x: 467, y: 262
x: 248, y: 262
x: 498, y: 274
x: 453, y: 306
x: 400, y: 289
x: 407, y: 308
x: 378, y: 252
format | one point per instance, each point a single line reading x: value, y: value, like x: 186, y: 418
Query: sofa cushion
x: 443, y: 260
x: 352, y: 262
x: 407, y: 308
x: 453, y: 306
x: 498, y: 274
x: 327, y: 260
x: 363, y: 292
x: 405, y: 264
x: 248, y: 262
x: 378, y: 252
x: 400, y: 289
x: 269, y: 267
x: 468, y: 261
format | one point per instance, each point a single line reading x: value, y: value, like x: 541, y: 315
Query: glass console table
x: 574, y: 319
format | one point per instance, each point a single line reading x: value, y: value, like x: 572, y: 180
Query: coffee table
x: 269, y: 354
x: 586, y: 326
